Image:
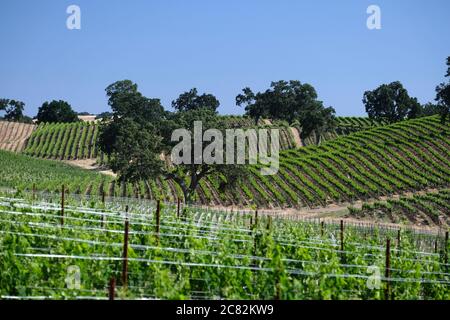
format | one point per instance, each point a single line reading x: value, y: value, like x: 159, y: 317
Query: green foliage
x: 382, y: 161
x: 13, y: 110
x: 192, y: 101
x: 206, y: 254
x: 290, y: 101
x: 430, y: 109
x: 21, y: 172
x: 140, y: 133
x: 104, y: 115
x: 418, y: 209
x: 63, y: 141
x: 443, y: 95
x: 56, y: 111
x: 391, y: 103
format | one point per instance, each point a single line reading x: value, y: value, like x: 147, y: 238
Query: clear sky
x: 219, y: 46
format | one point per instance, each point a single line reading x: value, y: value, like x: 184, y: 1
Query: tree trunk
x: 187, y: 195
x: 318, y: 138
x: 192, y: 186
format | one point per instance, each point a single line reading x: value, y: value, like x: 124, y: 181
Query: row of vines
x: 198, y: 254
x: 64, y: 141
x: 383, y: 161
x: 428, y: 208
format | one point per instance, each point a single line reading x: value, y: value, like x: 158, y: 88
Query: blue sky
x: 168, y: 47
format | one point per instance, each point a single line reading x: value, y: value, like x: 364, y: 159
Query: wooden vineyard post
x: 435, y: 246
x: 446, y: 248
x: 112, y: 289
x: 278, y: 291
x: 125, y: 255
x: 62, y: 204
x: 322, y: 224
x: 178, y: 208
x: 103, y: 196
x: 342, y: 241
x: 34, y: 191
x: 399, y: 239
x: 158, y: 219
x: 103, y: 203
x: 387, y: 269
x: 256, y: 218
x: 269, y: 223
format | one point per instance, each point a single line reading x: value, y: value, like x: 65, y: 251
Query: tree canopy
x: 443, y: 95
x: 104, y: 115
x: 13, y: 110
x: 131, y: 137
x: 139, y: 137
x: 56, y: 111
x: 391, y: 103
x: 191, y: 101
x: 290, y: 101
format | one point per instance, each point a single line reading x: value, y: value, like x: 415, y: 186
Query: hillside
x: 409, y: 155
x: 75, y: 141
x: 22, y: 172
x: 64, y: 141
x: 386, y: 160
x: 344, y: 126
x: 426, y: 208
x: 14, y: 135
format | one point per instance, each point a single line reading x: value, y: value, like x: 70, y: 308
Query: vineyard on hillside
x: 102, y: 251
x: 14, y: 135
x: 344, y: 126
x: 23, y: 172
x: 426, y: 208
x: 408, y: 156
x: 411, y: 155
x: 64, y: 141
x: 358, y: 122
x: 75, y: 141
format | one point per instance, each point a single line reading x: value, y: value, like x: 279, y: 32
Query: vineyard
x: 224, y: 159
x: 64, y: 141
x: 344, y: 126
x: 23, y: 172
x: 89, y: 250
x: 358, y: 122
x: 75, y: 141
x: 407, y: 156
x: 426, y: 208
x: 382, y: 161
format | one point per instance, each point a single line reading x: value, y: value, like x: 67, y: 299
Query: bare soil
x: 13, y: 135
x: 90, y: 164
x: 297, y: 139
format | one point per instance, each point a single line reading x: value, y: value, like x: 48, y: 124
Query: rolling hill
x: 382, y: 161
x: 75, y: 141
x: 14, y: 135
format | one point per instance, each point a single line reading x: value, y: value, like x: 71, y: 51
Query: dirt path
x: 90, y: 164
